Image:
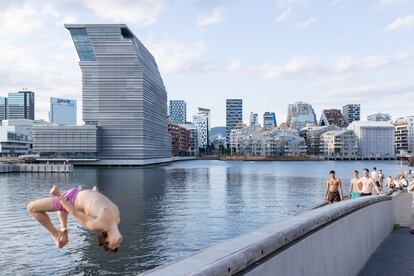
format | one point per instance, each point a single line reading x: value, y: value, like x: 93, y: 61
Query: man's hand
x: 55, y: 191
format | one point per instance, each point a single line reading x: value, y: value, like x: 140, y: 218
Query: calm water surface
x: 166, y: 211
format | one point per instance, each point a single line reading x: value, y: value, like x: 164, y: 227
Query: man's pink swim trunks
x: 69, y: 195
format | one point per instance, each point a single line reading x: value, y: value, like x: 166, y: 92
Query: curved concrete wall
x: 336, y: 239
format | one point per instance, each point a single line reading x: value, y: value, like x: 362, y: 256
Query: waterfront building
x: 255, y: 141
x: 202, y: 121
x: 379, y: 117
x: 178, y: 112
x: 3, y: 108
x: 254, y: 119
x: 15, y: 140
x: 234, y: 115
x: 375, y: 138
x: 299, y: 115
x: 269, y: 120
x: 332, y: 117
x: 21, y: 105
x: 65, y: 142
x: 312, y: 135
x: 180, y: 139
x: 339, y: 143
x: 193, y: 148
x: 62, y: 111
x: 351, y: 112
x: 404, y: 135
x: 123, y: 93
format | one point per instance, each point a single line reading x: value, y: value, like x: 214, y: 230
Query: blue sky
x: 269, y: 53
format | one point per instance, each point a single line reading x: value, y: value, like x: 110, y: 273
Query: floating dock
x: 35, y: 168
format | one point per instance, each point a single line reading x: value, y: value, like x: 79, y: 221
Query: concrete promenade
x: 393, y: 257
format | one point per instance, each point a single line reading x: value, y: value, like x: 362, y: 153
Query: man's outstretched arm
x: 86, y: 220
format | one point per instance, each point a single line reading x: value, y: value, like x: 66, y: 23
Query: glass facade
x: 178, y: 111
x: 3, y: 108
x: 83, y: 44
x: 62, y: 111
x: 21, y: 105
x: 269, y: 120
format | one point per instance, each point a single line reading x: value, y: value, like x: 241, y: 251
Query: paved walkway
x: 395, y: 256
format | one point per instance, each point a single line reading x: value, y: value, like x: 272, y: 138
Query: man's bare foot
x: 64, y: 238
x: 61, y: 238
x: 95, y: 189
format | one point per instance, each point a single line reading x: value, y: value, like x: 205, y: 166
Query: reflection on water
x: 166, y: 211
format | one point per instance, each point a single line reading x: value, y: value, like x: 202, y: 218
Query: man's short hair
x: 332, y: 172
x: 375, y: 168
x: 356, y: 171
x: 102, y: 242
x: 366, y: 170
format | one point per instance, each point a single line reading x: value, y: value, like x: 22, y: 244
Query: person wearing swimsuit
x: 91, y: 208
x: 355, y: 185
x: 368, y: 184
x: 334, y: 192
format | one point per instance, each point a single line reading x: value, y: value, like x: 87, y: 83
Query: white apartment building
x: 375, y: 138
x: 404, y: 134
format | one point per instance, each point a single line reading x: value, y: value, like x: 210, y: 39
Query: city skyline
x: 303, y: 49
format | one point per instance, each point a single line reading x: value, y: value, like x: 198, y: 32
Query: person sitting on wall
x: 334, y: 192
x: 91, y: 208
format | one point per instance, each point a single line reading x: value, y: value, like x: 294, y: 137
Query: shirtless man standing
x: 368, y: 184
x: 333, y: 186
x: 355, y: 185
x: 91, y: 208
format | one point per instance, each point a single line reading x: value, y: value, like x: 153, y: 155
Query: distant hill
x: 215, y: 131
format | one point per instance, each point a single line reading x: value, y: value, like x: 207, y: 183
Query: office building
x: 202, y: 121
x: 3, y: 108
x: 254, y: 119
x: 332, y: 117
x: 62, y: 111
x: 375, y: 138
x: 15, y: 140
x: 234, y: 115
x: 339, y: 143
x: 65, y: 142
x: 193, y: 148
x: 123, y: 94
x: 379, y: 117
x: 299, y: 115
x: 178, y: 112
x: 21, y: 105
x: 269, y: 120
x: 180, y: 139
x: 404, y: 135
x: 351, y: 112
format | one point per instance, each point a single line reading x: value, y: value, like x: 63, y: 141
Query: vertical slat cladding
x: 124, y: 94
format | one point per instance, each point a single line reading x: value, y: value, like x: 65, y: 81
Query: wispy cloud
x: 143, y: 12
x: 305, y: 23
x: 401, y: 24
x: 206, y: 20
x: 283, y: 15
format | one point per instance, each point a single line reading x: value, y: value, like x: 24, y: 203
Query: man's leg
x: 38, y: 209
x: 63, y: 218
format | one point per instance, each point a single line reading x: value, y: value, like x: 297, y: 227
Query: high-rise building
x: 62, y: 111
x: 299, y: 115
x: 332, y: 117
x: 178, y: 112
x: 351, y: 112
x: 21, y: 105
x: 123, y: 94
x: 3, y: 108
x: 374, y: 138
x: 234, y: 115
x: 404, y: 134
x: 202, y: 121
x: 269, y: 120
x: 379, y: 117
x: 254, y: 119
